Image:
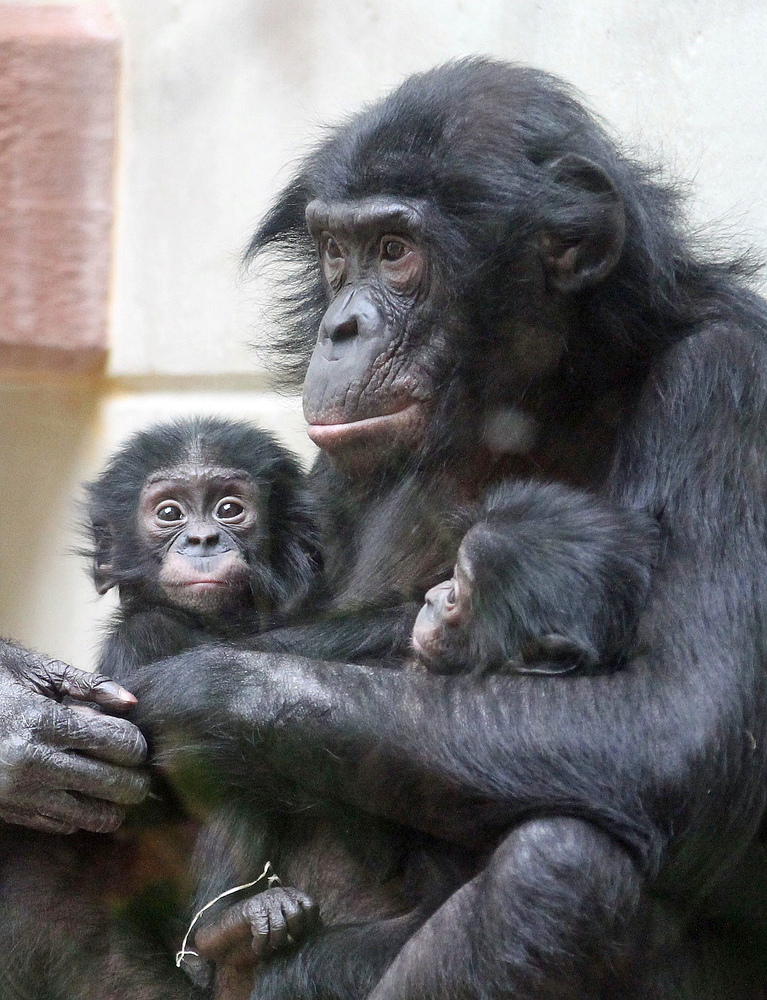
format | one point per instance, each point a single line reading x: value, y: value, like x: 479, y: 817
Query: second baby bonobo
x: 206, y: 528
x: 547, y: 580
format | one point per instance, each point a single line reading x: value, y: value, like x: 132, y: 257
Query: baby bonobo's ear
x: 552, y: 654
x: 102, y: 569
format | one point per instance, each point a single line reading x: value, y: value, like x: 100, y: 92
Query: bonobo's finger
x: 300, y: 911
x: 35, y: 822
x: 278, y: 930
x: 61, y: 679
x: 90, y: 710
x: 80, y: 813
x: 102, y: 736
x: 230, y: 929
x: 94, y: 778
x: 268, y: 929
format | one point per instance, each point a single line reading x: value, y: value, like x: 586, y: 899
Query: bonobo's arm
x: 64, y: 768
x: 359, y: 637
x: 673, y: 743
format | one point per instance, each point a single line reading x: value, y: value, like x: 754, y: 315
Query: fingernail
x: 117, y: 691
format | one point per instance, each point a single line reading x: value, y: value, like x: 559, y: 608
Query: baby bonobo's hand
x: 249, y: 931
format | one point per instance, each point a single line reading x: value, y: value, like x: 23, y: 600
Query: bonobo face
x: 441, y: 630
x: 197, y: 521
x: 368, y: 388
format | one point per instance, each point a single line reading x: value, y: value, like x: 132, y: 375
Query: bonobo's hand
x: 211, y: 686
x: 251, y: 930
x: 64, y: 768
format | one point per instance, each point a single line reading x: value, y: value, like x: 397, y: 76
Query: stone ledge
x: 59, y: 78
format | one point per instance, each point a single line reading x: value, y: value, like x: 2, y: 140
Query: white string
x: 185, y: 952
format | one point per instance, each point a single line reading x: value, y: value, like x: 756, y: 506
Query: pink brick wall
x: 59, y: 74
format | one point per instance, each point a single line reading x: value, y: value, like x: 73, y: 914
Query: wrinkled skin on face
x: 383, y: 362
x: 197, y: 520
x: 368, y: 388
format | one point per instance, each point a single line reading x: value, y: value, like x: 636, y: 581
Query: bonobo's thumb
x: 58, y: 679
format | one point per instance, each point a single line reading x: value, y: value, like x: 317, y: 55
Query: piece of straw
x: 186, y: 952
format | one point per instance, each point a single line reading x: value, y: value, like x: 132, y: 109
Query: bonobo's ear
x: 103, y: 554
x: 591, y: 241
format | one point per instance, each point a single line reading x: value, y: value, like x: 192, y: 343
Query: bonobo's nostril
x: 345, y: 330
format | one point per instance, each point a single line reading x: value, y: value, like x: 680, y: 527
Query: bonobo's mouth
x: 404, y: 426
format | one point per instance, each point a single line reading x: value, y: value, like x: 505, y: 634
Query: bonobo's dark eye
x: 169, y: 512
x: 230, y: 510
x: 403, y: 265
x: 393, y: 249
x: 332, y: 249
x: 333, y: 259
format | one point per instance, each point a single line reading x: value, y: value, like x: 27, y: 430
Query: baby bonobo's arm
x: 249, y: 931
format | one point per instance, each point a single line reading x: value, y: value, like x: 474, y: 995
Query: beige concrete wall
x: 218, y: 98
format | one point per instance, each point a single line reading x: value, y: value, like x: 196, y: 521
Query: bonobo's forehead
x: 197, y: 470
x: 379, y: 213
x: 191, y: 475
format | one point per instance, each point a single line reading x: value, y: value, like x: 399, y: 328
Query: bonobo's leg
x: 550, y: 916
x: 58, y: 939
x: 560, y: 913
x: 343, y: 962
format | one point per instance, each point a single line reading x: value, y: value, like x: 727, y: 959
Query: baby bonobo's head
x: 463, y: 621
x: 206, y: 515
x: 547, y: 580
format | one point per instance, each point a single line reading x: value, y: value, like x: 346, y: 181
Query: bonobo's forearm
x: 464, y: 757
x: 364, y: 636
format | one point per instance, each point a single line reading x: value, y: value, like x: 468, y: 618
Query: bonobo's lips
x: 404, y: 425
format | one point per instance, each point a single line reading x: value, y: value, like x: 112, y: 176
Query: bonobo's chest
x: 389, y: 543
x: 573, y: 445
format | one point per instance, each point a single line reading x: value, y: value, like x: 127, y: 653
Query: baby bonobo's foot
x: 249, y: 931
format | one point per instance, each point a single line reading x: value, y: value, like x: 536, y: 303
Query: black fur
x: 618, y: 803
x: 558, y: 582
x: 98, y: 916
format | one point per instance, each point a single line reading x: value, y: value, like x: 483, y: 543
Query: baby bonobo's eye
x: 169, y: 512
x: 230, y: 510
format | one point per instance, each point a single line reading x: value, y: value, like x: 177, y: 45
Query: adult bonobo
x: 498, y: 290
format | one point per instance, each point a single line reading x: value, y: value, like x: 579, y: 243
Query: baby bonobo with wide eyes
x: 206, y: 529
x: 547, y: 580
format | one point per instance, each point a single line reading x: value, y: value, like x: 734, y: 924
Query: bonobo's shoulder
x: 720, y: 344
x: 716, y: 357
